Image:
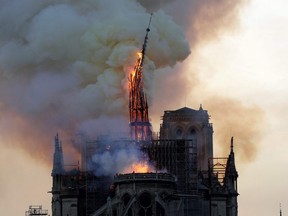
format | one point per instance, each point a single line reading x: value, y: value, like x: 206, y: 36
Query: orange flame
x: 139, y: 167
x: 133, y: 71
x: 139, y: 55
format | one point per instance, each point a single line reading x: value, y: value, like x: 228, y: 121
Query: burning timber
x: 140, y: 127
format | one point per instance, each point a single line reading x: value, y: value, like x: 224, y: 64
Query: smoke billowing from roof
x: 64, y: 64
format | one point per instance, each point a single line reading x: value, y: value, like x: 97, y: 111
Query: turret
x: 231, y: 171
x: 58, y: 169
x: 58, y: 157
x: 230, y: 181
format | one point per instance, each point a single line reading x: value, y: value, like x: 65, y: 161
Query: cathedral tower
x: 190, y: 124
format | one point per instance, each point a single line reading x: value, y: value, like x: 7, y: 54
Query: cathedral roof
x: 185, y: 109
x: 186, y: 114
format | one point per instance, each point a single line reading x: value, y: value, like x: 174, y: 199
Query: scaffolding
x: 96, y: 192
x: 36, y: 210
x: 178, y: 157
x: 217, y: 169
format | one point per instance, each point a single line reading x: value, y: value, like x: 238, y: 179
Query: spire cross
x: 145, y: 41
x: 232, y: 145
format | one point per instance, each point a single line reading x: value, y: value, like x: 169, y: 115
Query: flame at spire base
x: 139, y: 167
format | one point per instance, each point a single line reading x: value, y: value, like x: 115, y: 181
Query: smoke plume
x: 203, y: 21
x: 64, y: 65
x: 239, y: 120
x: 120, y: 157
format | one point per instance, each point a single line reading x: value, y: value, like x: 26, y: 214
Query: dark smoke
x: 202, y: 20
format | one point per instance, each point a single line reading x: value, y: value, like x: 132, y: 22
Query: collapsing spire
x: 140, y: 127
x: 58, y: 157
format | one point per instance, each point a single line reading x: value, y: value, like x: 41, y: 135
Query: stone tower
x: 190, y: 124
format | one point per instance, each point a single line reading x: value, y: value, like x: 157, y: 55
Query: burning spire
x: 140, y: 127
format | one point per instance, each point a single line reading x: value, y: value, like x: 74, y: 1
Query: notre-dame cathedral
x: 187, y: 180
x: 194, y: 182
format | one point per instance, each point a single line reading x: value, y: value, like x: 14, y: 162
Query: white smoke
x: 65, y: 63
x: 113, y: 161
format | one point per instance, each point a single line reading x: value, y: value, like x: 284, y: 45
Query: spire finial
x: 232, y: 145
x: 148, y: 29
x: 58, y: 157
x: 145, y: 41
x: 57, y: 144
x: 200, y: 108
